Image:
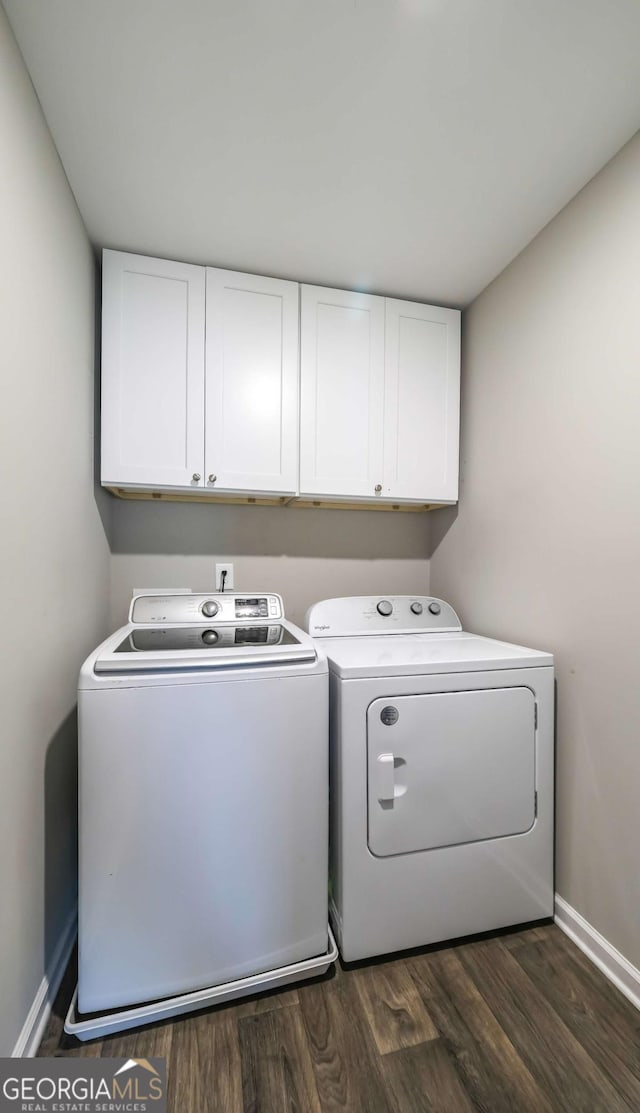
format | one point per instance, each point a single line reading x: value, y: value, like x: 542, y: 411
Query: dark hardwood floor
x: 516, y: 1023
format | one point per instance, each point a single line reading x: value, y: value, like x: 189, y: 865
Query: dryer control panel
x: 227, y: 606
x: 382, y: 614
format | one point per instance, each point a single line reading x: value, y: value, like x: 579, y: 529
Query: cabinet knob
x: 212, y: 478
x: 195, y: 477
x: 378, y: 488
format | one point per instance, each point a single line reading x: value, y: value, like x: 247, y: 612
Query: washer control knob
x: 210, y: 608
x: 416, y: 608
x: 434, y: 608
x: 385, y: 607
x: 210, y: 637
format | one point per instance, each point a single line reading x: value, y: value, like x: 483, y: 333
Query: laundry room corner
x: 545, y: 544
x: 320, y: 365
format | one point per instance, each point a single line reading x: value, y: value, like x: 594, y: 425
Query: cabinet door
x: 251, y: 383
x: 422, y: 401
x: 342, y: 390
x: 152, y: 372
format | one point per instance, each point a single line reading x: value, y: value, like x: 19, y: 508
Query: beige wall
x: 545, y: 546
x: 54, y: 555
x: 305, y: 555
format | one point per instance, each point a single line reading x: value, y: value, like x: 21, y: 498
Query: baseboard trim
x: 33, y: 1028
x: 603, y: 954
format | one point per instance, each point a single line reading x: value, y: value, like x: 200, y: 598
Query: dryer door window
x: 450, y: 768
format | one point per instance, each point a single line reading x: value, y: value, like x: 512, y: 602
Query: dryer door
x: 450, y: 768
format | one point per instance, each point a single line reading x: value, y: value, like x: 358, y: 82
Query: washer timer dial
x: 385, y: 607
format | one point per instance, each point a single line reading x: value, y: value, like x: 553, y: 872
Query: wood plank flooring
x: 520, y: 1022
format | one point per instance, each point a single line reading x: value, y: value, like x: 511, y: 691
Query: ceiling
x: 409, y: 147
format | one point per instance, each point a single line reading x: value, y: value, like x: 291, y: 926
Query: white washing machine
x: 203, y: 789
x: 442, y: 775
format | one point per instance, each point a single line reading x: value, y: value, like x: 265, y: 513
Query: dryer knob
x: 385, y: 607
x: 210, y: 608
x: 416, y: 608
x: 210, y: 637
x: 435, y: 608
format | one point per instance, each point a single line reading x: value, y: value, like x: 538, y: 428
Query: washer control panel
x: 227, y: 606
x: 387, y: 614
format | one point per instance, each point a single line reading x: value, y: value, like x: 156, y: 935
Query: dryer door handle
x: 385, y: 778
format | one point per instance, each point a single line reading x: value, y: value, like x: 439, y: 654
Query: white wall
x: 545, y: 546
x: 305, y: 555
x: 54, y: 555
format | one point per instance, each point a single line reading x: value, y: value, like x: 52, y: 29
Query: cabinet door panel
x: 251, y: 383
x: 152, y: 371
x: 422, y: 400
x: 342, y: 386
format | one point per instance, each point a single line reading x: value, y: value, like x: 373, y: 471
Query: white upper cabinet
x: 226, y: 383
x: 169, y: 423
x: 380, y: 385
x: 341, y: 393
x: 422, y: 401
x: 251, y: 437
x: 153, y: 324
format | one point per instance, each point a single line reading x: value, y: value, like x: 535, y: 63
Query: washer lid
x: 424, y: 654
x: 138, y: 649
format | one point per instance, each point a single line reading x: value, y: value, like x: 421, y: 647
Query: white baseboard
x: 613, y: 965
x: 33, y: 1028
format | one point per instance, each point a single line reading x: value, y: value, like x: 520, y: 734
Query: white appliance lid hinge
x: 535, y: 804
x: 535, y: 715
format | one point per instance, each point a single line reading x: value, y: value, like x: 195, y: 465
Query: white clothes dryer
x: 442, y: 775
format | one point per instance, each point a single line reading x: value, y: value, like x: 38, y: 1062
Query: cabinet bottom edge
x: 302, y: 503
